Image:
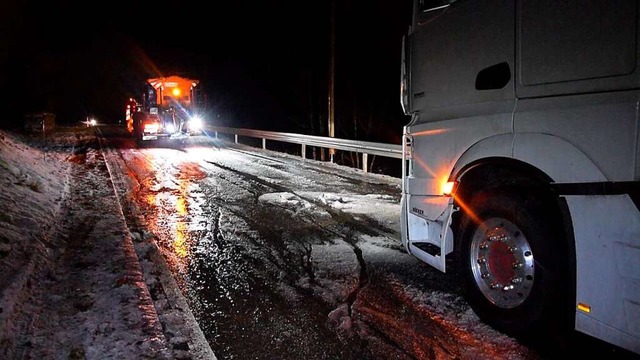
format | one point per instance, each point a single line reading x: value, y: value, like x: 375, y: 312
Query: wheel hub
x: 502, y: 262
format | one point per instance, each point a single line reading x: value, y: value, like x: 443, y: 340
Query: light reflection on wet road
x: 278, y: 262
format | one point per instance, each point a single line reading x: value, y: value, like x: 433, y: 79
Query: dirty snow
x: 75, y: 281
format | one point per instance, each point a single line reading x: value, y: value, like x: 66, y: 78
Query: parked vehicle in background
x: 522, y: 160
x: 168, y: 109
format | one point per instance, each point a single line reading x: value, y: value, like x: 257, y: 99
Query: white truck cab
x: 522, y: 160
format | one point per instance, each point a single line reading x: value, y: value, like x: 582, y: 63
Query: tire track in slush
x: 352, y: 226
x: 349, y: 232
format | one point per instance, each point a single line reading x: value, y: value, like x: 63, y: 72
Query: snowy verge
x: 33, y: 185
x: 71, y: 282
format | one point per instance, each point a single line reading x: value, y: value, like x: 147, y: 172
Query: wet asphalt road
x: 277, y: 262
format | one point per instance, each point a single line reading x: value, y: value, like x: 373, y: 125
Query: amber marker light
x: 448, y: 187
x: 584, y: 308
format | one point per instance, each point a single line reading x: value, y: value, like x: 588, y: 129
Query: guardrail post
x: 365, y: 162
x: 264, y: 144
x: 236, y: 137
x: 304, y: 151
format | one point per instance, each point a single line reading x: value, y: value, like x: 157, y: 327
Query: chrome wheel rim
x: 502, y: 262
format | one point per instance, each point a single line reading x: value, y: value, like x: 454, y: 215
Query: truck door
x: 458, y: 50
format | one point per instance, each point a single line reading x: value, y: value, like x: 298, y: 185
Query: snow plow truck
x: 168, y: 109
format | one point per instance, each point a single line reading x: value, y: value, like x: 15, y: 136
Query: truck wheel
x: 509, y: 257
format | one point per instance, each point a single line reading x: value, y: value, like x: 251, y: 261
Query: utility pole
x: 332, y: 131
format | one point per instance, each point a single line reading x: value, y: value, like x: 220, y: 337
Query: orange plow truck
x: 168, y: 109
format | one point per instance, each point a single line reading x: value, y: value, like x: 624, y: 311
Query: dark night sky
x: 262, y: 64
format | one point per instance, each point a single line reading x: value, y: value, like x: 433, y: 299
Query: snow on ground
x: 74, y: 279
x: 383, y: 208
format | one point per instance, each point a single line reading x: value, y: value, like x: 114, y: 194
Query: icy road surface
x: 285, y: 258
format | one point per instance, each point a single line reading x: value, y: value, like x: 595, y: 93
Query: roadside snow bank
x: 33, y: 184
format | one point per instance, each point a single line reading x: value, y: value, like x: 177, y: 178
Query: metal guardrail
x: 362, y: 147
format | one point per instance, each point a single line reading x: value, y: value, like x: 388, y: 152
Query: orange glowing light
x: 423, y: 165
x: 430, y: 132
x: 180, y: 243
x: 181, y: 206
x: 180, y: 246
x: 584, y: 308
x: 170, y: 211
x: 175, y: 92
x: 447, y: 187
x: 467, y: 210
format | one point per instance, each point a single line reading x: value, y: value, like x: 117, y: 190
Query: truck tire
x: 510, y: 262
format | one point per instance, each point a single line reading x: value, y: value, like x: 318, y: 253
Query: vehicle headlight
x: 170, y: 128
x: 195, y: 123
